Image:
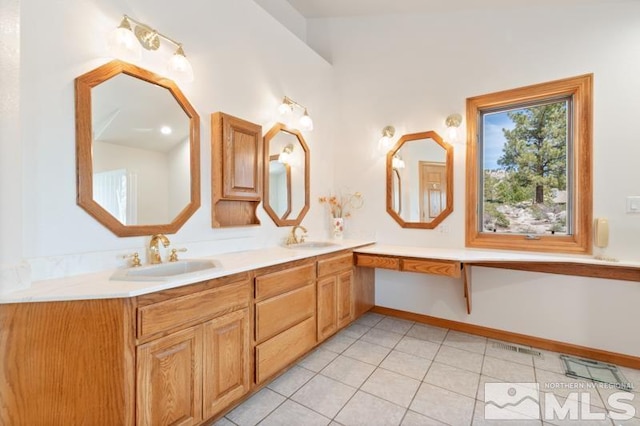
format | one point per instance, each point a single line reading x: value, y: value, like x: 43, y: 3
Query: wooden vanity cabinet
x: 285, y: 316
x: 169, y: 379
x: 236, y: 150
x: 190, y: 374
x: 335, y: 293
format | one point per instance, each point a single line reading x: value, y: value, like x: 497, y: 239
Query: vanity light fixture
x: 385, y: 142
x: 286, y: 108
x: 397, y: 162
x: 285, y: 155
x: 125, y: 42
x: 452, y: 122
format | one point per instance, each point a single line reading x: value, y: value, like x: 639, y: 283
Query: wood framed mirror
x: 420, y: 180
x: 286, y: 175
x: 137, y: 150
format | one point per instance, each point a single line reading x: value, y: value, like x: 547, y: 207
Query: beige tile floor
x: 387, y: 371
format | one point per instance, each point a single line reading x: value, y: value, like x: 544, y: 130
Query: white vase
x: 337, y: 228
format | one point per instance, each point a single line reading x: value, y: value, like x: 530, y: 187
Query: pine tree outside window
x: 529, y: 168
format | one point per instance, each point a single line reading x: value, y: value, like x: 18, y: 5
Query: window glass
x: 525, y: 169
x: 529, y: 179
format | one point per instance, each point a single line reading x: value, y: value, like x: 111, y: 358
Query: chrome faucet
x: 293, y: 238
x: 154, y: 248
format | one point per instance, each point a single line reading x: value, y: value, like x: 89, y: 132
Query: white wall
x: 13, y: 272
x: 244, y: 63
x: 409, y: 71
x: 413, y: 71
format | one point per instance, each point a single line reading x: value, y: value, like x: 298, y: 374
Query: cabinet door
x: 327, y: 309
x: 345, y: 298
x: 226, y: 365
x: 169, y: 379
x: 242, y: 158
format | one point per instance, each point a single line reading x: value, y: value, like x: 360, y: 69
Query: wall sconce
x: 452, y: 122
x: 286, y: 154
x: 397, y: 162
x: 385, y: 142
x: 125, y: 42
x: 286, y: 108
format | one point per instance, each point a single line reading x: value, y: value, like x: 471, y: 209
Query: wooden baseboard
x: 522, y: 339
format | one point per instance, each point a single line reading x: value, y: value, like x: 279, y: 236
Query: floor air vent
x: 596, y: 371
x: 518, y: 349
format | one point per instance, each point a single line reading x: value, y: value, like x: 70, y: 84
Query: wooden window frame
x: 580, y: 88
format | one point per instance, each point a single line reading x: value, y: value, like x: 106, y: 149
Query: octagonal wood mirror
x: 420, y: 180
x: 137, y: 150
x: 286, y: 175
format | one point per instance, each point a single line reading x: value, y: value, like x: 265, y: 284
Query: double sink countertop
x: 100, y: 285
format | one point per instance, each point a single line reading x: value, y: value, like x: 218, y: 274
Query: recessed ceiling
x: 342, y: 8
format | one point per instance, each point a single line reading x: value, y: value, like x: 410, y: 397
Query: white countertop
x: 99, y: 285
x: 478, y: 256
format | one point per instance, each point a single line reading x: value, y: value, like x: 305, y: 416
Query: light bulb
x: 284, y: 157
x: 284, y: 108
x: 122, y: 42
x: 305, y: 121
x: 397, y: 163
x: 452, y: 122
x: 384, y: 144
x: 180, y: 66
x: 452, y: 134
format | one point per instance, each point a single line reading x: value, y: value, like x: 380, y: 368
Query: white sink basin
x: 312, y: 245
x: 164, y: 271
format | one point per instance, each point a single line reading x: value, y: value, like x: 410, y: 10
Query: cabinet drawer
x: 335, y: 264
x: 192, y: 309
x: 436, y: 267
x: 373, y: 261
x: 281, y: 312
x: 278, y: 352
x: 280, y: 282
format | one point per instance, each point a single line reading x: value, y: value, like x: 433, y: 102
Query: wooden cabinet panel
x: 364, y: 290
x: 280, y: 282
x: 169, y: 379
x: 278, y: 313
x: 192, y: 309
x: 226, y: 361
x: 373, y: 261
x: 236, y: 170
x: 327, y: 307
x: 345, y: 302
x: 278, y: 352
x: 67, y: 363
x: 240, y: 150
x: 436, y: 267
x: 335, y: 264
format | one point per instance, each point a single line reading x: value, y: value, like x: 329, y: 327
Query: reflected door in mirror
x: 420, y: 180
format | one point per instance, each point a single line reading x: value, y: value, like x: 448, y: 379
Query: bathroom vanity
x: 165, y: 353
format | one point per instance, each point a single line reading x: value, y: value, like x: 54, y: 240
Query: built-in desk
x: 457, y: 263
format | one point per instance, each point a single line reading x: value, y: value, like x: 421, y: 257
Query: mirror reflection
x: 420, y: 179
x: 141, y: 164
x: 279, y: 187
x: 138, y: 150
x: 286, y: 183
